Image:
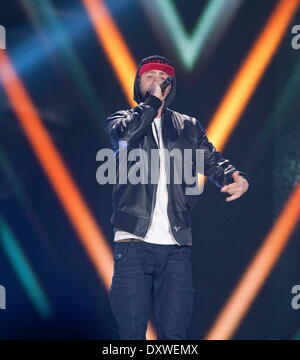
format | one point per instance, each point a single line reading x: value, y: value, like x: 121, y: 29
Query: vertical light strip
x: 77, y: 210
x: 115, y: 47
x: 258, y: 270
x: 250, y: 72
x: 24, y: 271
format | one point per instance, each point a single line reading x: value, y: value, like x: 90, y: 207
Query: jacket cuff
x: 153, y: 101
x: 244, y: 175
x: 228, y: 179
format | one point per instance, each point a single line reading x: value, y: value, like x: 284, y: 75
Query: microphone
x: 169, y: 81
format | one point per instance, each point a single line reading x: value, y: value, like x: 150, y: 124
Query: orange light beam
x: 246, y: 80
x: 223, y: 124
x: 77, y: 210
x: 115, y: 47
x: 258, y: 270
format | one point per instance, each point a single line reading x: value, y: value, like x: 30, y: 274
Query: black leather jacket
x: 133, y: 204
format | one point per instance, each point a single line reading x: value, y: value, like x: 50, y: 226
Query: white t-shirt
x: 159, y: 231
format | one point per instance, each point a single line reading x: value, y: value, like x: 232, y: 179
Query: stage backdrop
x: 64, y: 67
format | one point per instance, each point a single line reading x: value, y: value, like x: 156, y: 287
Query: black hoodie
x: 138, y: 96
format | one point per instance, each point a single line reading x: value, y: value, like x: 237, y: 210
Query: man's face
x: 148, y: 77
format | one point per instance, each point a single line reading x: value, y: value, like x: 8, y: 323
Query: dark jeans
x: 146, y: 272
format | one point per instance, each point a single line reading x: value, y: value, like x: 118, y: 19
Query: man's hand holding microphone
x: 161, y: 90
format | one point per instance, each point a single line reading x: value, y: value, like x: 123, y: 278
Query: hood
x: 138, y: 96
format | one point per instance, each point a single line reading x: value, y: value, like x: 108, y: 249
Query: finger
x: 166, y: 92
x: 225, y: 188
x: 167, y: 89
x: 239, y: 180
x: 230, y: 188
x: 232, y: 197
x: 238, y: 190
x: 235, y: 174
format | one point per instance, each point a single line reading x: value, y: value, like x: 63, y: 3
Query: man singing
x: 152, y: 221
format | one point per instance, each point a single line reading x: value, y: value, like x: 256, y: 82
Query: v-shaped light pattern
x: 209, y: 28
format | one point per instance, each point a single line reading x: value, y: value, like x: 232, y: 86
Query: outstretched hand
x: 237, y: 188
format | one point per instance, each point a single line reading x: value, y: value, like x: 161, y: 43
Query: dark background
x: 226, y: 236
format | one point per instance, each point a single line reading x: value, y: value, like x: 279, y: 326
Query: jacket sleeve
x: 218, y: 169
x: 130, y: 126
